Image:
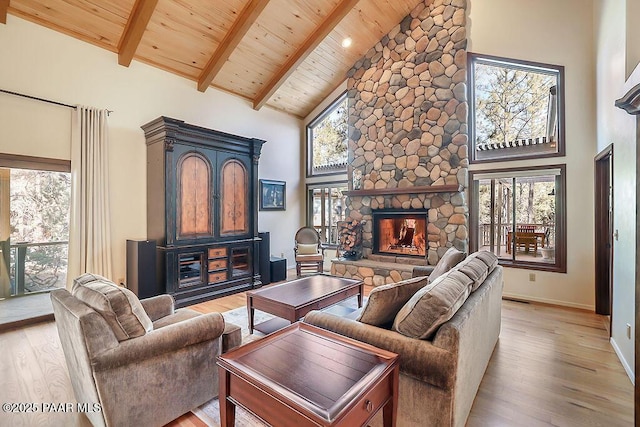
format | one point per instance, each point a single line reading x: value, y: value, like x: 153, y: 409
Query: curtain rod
x: 43, y: 99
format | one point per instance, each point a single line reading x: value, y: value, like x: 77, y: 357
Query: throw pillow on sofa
x: 488, y: 258
x: 385, y: 301
x: 119, y: 306
x: 477, y: 267
x: 433, y: 305
x: 450, y: 259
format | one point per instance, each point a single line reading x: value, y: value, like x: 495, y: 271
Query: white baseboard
x: 548, y: 301
x: 625, y: 365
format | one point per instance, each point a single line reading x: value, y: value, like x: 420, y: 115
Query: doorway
x: 604, y: 231
x: 34, y: 226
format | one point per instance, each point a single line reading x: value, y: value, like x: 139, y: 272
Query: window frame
x: 472, y: 59
x: 560, y: 265
x: 32, y: 163
x: 309, y: 136
x: 309, y: 199
x: 18, y: 161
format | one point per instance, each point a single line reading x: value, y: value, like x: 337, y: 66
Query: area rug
x: 209, y: 413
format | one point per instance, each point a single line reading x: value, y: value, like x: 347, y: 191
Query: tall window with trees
x: 517, y: 109
x: 34, y: 225
x: 327, y: 137
x: 327, y: 140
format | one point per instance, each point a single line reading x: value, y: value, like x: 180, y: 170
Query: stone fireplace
x: 408, y: 136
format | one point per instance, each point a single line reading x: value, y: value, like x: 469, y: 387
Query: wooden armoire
x: 202, y: 188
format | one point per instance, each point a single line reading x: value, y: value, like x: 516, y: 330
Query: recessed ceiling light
x: 347, y: 42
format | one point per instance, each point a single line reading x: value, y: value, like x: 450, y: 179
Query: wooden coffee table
x: 292, y: 300
x: 306, y: 376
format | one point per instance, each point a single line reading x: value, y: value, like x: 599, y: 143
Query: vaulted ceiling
x: 287, y: 54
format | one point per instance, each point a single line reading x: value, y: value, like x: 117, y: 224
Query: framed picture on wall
x: 272, y: 195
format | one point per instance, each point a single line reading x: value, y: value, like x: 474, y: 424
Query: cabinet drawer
x: 217, y: 264
x: 219, y: 276
x: 362, y: 412
x: 217, y: 252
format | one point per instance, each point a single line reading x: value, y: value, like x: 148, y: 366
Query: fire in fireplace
x: 400, y: 232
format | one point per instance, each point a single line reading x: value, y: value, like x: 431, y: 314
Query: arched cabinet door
x: 193, y: 198
x: 234, y: 198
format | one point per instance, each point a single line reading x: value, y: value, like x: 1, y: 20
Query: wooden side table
x: 306, y: 376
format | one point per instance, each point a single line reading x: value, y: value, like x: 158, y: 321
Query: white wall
x: 617, y: 127
x: 47, y: 64
x: 560, y: 33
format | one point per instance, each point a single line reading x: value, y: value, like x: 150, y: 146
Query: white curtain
x: 90, y: 222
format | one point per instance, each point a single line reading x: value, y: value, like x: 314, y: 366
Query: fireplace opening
x: 400, y: 232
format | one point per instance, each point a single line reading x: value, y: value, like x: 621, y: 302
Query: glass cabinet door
x: 240, y: 262
x: 190, y: 272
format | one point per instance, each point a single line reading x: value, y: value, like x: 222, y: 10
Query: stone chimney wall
x: 408, y: 122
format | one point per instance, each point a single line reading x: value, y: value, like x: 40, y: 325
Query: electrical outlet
x: 628, y: 331
x: 281, y: 254
x: 532, y: 277
x: 121, y: 281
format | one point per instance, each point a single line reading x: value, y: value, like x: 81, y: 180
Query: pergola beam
x: 136, y: 25
x: 4, y: 6
x: 231, y: 40
x: 313, y: 41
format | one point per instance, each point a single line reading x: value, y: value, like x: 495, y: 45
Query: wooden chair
x: 309, y: 251
x: 527, y: 240
x: 524, y: 240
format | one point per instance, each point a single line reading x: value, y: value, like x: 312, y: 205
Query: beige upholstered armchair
x: 142, y: 361
x: 309, y: 251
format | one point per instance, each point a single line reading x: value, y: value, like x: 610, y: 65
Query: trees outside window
x: 34, y: 229
x: 516, y: 109
x: 327, y: 137
x: 519, y: 215
x: 327, y: 206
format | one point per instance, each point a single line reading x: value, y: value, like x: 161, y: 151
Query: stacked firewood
x: 350, y: 235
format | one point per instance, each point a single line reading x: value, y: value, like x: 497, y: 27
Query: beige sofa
x: 137, y: 363
x: 439, y: 375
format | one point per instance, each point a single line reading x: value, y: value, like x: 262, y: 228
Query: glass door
x: 326, y: 207
x: 34, y: 230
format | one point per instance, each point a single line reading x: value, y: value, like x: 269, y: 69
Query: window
x: 519, y: 215
x: 327, y: 205
x: 516, y: 109
x: 327, y: 140
x: 34, y: 224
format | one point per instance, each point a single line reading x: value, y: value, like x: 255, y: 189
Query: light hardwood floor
x: 552, y: 366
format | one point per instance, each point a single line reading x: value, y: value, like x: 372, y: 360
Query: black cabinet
x: 201, y: 209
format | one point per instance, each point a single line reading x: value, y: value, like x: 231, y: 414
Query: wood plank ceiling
x: 286, y: 54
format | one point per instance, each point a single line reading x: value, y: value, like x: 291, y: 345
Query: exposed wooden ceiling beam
x: 322, y: 31
x: 4, y: 5
x: 231, y: 40
x: 137, y: 23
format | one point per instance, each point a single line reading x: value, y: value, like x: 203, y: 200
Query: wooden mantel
x: 406, y: 190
